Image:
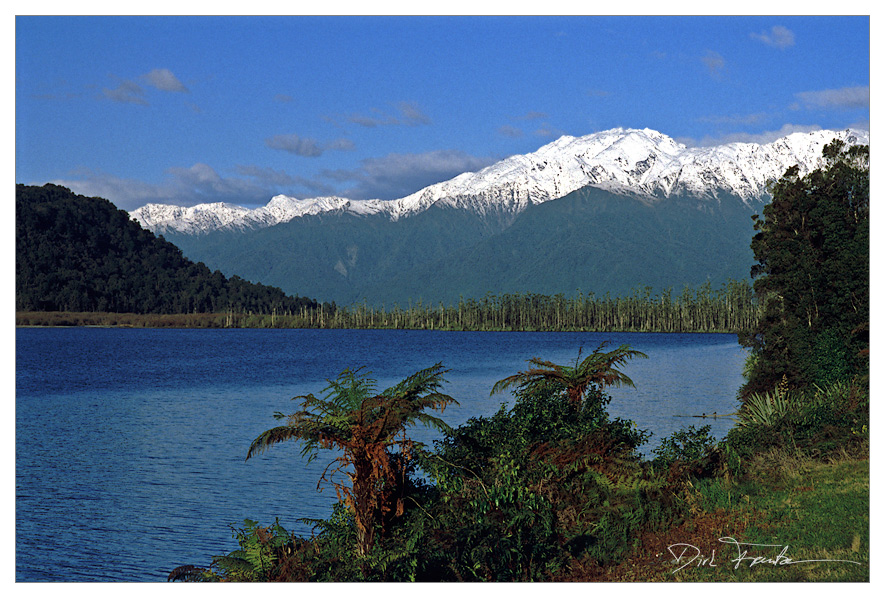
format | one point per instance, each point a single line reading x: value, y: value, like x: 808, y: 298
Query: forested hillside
x: 813, y: 275
x: 76, y: 253
x: 592, y: 241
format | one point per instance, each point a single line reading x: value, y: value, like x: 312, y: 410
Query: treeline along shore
x: 82, y: 262
x: 729, y: 309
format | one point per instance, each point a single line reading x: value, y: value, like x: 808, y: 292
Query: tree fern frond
x: 365, y: 426
x: 273, y: 436
x: 506, y: 383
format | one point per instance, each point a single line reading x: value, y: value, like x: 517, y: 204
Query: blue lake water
x: 130, y: 443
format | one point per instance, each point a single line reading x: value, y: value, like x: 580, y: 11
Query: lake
x: 130, y: 443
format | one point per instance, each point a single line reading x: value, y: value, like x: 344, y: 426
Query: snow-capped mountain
x: 640, y: 162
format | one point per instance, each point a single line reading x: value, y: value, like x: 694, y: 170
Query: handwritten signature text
x: 689, y: 554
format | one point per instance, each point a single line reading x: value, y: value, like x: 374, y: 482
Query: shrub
x: 686, y: 444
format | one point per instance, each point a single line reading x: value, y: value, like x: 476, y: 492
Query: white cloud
x: 508, y: 131
x: 532, y: 115
x: 714, y: 63
x: 409, y: 114
x: 845, y: 97
x: 389, y: 177
x: 734, y: 119
x: 199, y: 183
x: 306, y: 147
x: 130, y: 92
x: 378, y: 119
x: 412, y: 115
x: 546, y: 130
x: 761, y: 137
x: 164, y: 80
x: 341, y: 145
x: 294, y: 144
x: 277, y: 181
x: 127, y: 92
x: 398, y: 175
x: 776, y: 37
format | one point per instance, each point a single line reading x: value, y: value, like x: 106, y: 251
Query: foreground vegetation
x: 554, y: 489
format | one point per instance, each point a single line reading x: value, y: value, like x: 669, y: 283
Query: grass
x: 804, y: 510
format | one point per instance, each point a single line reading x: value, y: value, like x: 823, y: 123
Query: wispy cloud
x: 412, y: 115
x: 377, y: 119
x: 714, y: 63
x: 407, y: 113
x: 389, y: 177
x: 306, y: 147
x: 164, y: 80
x: 845, y: 97
x: 546, y: 130
x: 188, y: 186
x: 130, y: 92
x: 761, y: 137
x: 283, y: 98
x: 735, y: 119
x: 398, y: 175
x: 282, y: 182
x: 508, y: 131
x: 533, y: 115
x: 127, y: 92
x: 776, y: 37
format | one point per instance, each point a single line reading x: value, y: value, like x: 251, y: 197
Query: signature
x: 688, y: 554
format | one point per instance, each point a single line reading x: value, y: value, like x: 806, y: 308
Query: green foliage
x: 821, y: 511
x: 812, y: 249
x: 369, y: 431
x: 519, y: 496
x: 687, y: 444
x: 820, y: 422
x: 258, y: 558
x: 81, y: 254
x: 528, y: 490
x: 766, y: 409
x: 594, y: 372
x: 259, y: 553
x: 534, y: 492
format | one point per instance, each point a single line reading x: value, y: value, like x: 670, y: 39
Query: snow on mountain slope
x: 634, y: 161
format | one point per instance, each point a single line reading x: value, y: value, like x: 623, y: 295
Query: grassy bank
x: 805, y: 510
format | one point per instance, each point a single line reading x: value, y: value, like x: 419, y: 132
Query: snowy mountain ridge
x: 635, y: 161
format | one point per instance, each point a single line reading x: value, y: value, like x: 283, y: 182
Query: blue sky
x: 187, y: 110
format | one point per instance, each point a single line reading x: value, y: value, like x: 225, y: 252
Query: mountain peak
x: 638, y: 161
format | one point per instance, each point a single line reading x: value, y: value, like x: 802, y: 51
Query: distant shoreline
x: 257, y: 321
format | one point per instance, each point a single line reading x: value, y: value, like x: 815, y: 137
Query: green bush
x: 819, y: 422
x: 687, y: 444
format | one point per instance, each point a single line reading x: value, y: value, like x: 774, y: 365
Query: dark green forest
x: 813, y: 275
x: 82, y: 254
x: 591, y: 240
x: 84, y: 257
